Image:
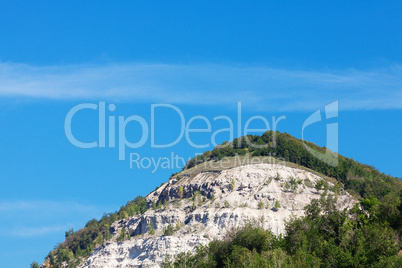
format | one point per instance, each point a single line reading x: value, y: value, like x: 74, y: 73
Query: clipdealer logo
x: 112, y: 132
x: 330, y: 156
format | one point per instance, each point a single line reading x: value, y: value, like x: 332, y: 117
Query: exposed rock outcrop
x: 202, y: 205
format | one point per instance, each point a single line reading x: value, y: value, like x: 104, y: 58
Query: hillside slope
x: 226, y: 188
x: 200, y: 205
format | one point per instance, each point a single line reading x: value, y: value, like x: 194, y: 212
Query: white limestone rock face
x: 211, y: 204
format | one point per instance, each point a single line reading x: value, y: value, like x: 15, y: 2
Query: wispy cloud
x: 261, y: 88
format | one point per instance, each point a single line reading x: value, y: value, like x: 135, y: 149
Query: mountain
x: 222, y: 191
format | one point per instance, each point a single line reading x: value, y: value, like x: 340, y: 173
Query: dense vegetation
x: 358, y: 179
x: 81, y: 243
x: 365, y: 236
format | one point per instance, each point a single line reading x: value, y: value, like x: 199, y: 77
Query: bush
x: 319, y: 185
x: 181, y: 191
x: 232, y: 184
x: 195, y: 195
x: 168, y: 230
x: 277, y: 204
x: 260, y: 205
x: 122, y: 235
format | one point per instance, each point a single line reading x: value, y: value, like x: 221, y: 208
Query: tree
x: 78, y: 252
x: 122, y: 236
x: 69, y: 232
x: 168, y: 230
x: 99, y: 240
x: 34, y: 264
x: 319, y: 185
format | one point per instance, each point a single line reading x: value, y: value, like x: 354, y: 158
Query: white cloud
x: 257, y: 87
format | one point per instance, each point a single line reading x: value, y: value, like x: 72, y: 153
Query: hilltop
x: 224, y: 190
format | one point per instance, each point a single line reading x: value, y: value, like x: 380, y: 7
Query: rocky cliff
x: 205, y: 202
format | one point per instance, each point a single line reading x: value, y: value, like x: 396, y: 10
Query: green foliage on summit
x: 363, y: 180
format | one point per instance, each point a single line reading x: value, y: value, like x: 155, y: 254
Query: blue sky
x: 283, y: 58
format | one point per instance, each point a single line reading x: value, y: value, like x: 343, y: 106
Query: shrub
x: 319, y: 185
x: 287, y: 187
x: 195, y: 194
x: 181, y: 191
x: 277, y: 204
x: 293, y: 184
x: 260, y: 205
x: 99, y: 240
x: 165, y: 204
x: 122, y: 235
x: 168, y: 230
x: 232, y: 184
x: 226, y: 204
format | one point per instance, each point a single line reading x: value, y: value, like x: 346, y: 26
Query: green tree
x: 122, y: 235
x: 99, y: 239
x: 34, y: 264
x: 69, y: 232
x: 319, y: 185
x: 277, y: 204
x: 168, y: 230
